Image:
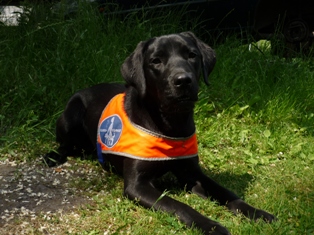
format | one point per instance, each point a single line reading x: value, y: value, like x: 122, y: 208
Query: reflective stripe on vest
x: 118, y: 135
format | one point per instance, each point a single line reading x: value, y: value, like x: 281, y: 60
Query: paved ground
x: 29, y: 190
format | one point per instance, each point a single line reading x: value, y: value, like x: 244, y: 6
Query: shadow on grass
x: 234, y: 182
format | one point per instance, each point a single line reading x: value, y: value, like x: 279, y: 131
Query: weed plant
x: 254, y: 123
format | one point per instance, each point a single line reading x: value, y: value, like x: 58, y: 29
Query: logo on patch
x: 110, y: 130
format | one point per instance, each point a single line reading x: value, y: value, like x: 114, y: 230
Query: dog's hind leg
x: 70, y: 133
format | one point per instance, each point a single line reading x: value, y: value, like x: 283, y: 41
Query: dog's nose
x: 182, y: 80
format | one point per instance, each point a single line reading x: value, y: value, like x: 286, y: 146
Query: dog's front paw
x: 219, y: 230
x: 249, y: 211
x: 213, y: 228
x: 260, y: 214
x: 53, y: 159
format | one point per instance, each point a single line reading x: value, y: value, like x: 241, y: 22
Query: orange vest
x: 118, y: 135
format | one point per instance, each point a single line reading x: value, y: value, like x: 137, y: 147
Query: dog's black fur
x: 161, y: 88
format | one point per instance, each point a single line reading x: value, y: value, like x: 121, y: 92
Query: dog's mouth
x: 185, y: 99
x: 182, y: 98
x: 181, y: 104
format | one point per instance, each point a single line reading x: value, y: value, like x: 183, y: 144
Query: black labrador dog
x: 157, y: 104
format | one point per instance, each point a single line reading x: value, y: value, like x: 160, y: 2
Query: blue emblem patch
x: 110, y: 130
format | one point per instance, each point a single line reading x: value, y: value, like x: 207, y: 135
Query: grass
x: 255, y: 121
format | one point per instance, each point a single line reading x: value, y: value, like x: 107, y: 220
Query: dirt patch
x: 29, y: 190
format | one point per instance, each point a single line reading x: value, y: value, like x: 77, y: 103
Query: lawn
x: 255, y: 125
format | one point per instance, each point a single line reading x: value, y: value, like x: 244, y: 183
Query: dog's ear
x: 208, y: 55
x: 132, y: 69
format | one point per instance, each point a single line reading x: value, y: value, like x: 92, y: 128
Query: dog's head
x: 165, y: 70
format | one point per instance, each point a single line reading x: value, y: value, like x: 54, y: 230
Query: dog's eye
x: 155, y: 61
x: 192, y: 55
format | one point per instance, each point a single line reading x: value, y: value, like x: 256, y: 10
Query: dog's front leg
x: 138, y: 186
x: 196, y: 181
